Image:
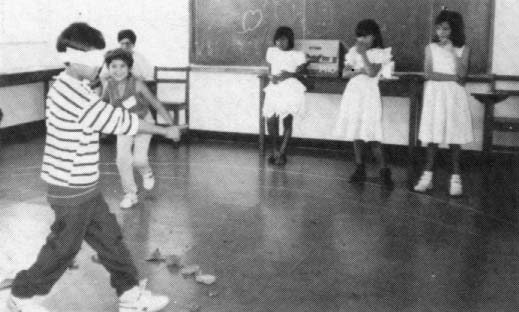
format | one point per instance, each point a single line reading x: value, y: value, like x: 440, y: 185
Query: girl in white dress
x: 285, y: 94
x: 360, y: 116
x: 446, y: 116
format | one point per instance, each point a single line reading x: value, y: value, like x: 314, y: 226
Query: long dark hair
x: 286, y: 32
x: 455, y: 21
x: 370, y: 27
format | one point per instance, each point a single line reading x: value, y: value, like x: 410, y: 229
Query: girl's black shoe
x: 282, y: 160
x: 359, y: 175
x: 272, y: 159
x: 385, y: 177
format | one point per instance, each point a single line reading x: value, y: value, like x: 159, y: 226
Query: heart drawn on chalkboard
x: 251, y: 20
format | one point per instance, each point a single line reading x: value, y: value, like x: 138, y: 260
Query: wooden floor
x: 298, y: 238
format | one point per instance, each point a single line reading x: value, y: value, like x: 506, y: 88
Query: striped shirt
x: 75, y: 116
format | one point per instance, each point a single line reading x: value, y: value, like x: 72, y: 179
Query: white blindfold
x: 92, y: 58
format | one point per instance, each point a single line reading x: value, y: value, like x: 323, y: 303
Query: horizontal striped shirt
x: 75, y: 116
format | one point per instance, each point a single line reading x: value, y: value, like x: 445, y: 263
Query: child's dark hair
x: 80, y: 36
x: 286, y: 32
x: 455, y: 21
x: 127, y: 34
x: 119, y: 54
x: 370, y: 27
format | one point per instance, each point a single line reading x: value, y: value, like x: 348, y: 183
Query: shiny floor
x: 298, y: 238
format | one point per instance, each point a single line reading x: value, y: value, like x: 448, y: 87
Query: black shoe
x: 385, y: 177
x: 282, y: 160
x: 359, y: 175
x: 272, y: 159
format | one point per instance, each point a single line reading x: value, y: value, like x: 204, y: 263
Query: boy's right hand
x: 173, y: 133
x: 130, y: 102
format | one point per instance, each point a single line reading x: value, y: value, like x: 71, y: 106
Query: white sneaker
x: 148, y: 181
x: 15, y: 304
x: 425, y: 182
x: 129, y: 200
x: 138, y: 299
x: 456, y: 189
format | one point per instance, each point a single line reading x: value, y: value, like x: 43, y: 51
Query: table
x: 489, y: 100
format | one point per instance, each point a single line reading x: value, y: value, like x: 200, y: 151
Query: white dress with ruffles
x: 288, y: 96
x: 360, y: 115
x: 446, y: 116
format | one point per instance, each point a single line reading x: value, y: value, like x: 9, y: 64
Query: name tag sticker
x: 130, y: 102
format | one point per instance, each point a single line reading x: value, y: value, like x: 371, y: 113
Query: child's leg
x: 54, y: 258
x: 385, y: 172
x: 288, y: 122
x: 104, y: 236
x: 455, y: 158
x: 140, y: 152
x: 273, y: 130
x: 425, y: 182
x: 432, y: 148
x: 455, y: 188
x: 378, y: 151
x: 141, y: 147
x: 359, y: 175
x: 125, y: 163
x: 358, y: 150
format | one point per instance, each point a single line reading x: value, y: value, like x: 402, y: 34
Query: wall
x: 226, y: 102
x: 234, y: 106
x: 322, y: 108
x: 162, y: 28
x: 22, y: 104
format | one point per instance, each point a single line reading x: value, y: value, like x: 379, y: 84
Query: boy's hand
x: 173, y: 133
x: 129, y: 102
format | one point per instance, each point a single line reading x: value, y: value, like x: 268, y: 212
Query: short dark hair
x: 455, y: 21
x: 370, y: 27
x: 286, y: 32
x: 119, y: 54
x: 80, y: 36
x: 127, y: 34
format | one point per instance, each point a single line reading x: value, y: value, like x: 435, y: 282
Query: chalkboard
x: 238, y: 32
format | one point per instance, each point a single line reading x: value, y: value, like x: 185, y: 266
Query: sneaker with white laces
x: 129, y: 200
x: 456, y: 188
x: 148, y: 181
x: 425, y: 182
x: 15, y: 304
x: 138, y: 299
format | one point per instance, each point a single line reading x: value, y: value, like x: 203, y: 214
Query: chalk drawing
x: 251, y: 20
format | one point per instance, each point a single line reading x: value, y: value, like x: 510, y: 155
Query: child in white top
x: 285, y: 94
x: 446, y: 116
x: 360, y: 117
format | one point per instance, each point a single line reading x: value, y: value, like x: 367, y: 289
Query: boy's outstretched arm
x: 159, y: 107
x: 105, y: 118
